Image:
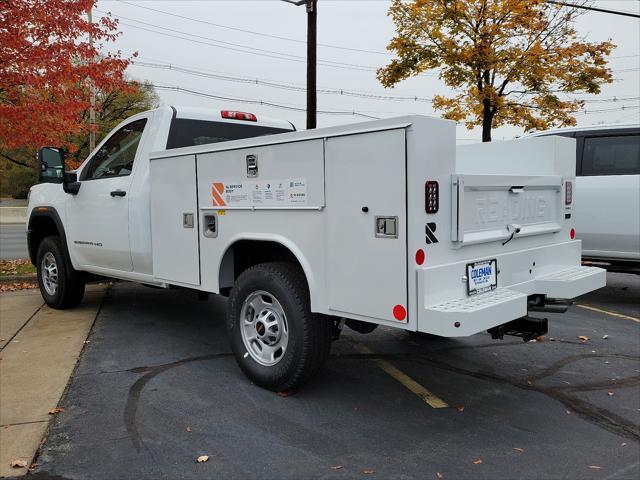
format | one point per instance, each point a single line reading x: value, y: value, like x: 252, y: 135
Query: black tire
x: 70, y: 285
x: 309, y: 334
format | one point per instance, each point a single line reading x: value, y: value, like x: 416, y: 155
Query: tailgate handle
x: 516, y: 189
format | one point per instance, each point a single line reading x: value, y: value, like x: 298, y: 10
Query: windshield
x: 187, y: 133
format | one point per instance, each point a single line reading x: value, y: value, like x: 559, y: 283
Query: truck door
x: 98, y: 216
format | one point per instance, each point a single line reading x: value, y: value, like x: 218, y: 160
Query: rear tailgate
x: 491, y: 208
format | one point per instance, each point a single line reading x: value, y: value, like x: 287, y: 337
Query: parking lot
x: 156, y: 387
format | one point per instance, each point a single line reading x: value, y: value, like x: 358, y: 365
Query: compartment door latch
x: 252, y: 166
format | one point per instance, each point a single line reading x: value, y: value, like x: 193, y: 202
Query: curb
x: 13, y: 215
x: 18, y: 278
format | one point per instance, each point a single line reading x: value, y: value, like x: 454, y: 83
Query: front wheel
x: 278, y: 343
x: 59, y: 287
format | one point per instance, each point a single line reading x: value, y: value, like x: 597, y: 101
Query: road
x: 156, y: 387
x: 13, y: 241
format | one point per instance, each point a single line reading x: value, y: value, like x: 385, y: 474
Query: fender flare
x: 32, y: 247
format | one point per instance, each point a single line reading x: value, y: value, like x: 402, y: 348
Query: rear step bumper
x: 571, y: 282
x: 469, y: 315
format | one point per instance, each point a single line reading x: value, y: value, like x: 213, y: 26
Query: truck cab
x: 106, y: 223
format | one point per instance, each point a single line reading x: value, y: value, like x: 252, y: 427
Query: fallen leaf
x: 461, y: 409
x: 18, y: 463
x: 336, y: 467
x: 477, y: 461
x: 610, y: 394
x: 188, y: 429
x: 519, y: 450
x: 439, y: 475
x: 583, y: 338
x: 56, y: 410
x: 540, y: 338
x: 368, y: 472
x: 202, y: 458
x: 594, y: 467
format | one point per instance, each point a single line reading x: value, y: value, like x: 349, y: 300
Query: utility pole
x: 312, y: 47
x: 92, y: 94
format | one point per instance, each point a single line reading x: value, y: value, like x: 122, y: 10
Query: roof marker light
x: 233, y: 115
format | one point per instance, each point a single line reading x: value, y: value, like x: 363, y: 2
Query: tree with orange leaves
x: 510, y: 61
x: 47, y: 64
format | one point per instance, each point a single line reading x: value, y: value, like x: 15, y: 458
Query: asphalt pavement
x: 157, y: 387
x: 13, y: 241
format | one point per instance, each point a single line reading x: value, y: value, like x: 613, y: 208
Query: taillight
x: 431, y: 197
x: 568, y: 193
x: 572, y: 234
x: 249, y: 117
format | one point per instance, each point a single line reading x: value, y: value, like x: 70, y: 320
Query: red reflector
x: 572, y: 233
x: 420, y: 257
x: 232, y: 114
x: 568, y: 193
x: 399, y: 312
x: 431, y: 197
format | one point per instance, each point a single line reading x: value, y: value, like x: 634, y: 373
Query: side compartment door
x: 98, y: 216
x: 367, y: 225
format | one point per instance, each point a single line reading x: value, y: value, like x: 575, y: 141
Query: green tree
x: 509, y: 61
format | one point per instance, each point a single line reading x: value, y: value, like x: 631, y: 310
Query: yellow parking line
x: 607, y: 312
x: 428, y: 397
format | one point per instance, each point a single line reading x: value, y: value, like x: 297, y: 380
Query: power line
x: 237, y: 47
x: 595, y: 9
x: 278, y: 37
x: 213, y: 42
x: 321, y: 90
x: 294, y: 108
x: 279, y: 85
x: 300, y: 108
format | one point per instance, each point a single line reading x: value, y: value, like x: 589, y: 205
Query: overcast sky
x: 195, y: 43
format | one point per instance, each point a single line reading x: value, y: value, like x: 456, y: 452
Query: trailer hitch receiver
x: 526, y: 327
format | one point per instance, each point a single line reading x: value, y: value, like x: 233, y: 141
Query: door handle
x: 118, y: 193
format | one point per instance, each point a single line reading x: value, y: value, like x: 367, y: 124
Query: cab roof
x: 197, y: 113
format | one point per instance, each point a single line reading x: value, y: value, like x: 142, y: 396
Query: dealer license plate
x: 482, y: 276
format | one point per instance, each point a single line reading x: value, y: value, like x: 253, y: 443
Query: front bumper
x: 450, y: 312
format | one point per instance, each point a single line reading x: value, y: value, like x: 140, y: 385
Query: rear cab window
x: 185, y: 132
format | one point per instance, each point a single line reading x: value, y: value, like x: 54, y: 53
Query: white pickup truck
x: 377, y: 223
x: 607, y: 193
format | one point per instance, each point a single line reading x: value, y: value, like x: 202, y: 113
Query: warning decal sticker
x: 267, y: 193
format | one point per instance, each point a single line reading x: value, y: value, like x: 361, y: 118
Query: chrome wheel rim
x: 49, y: 273
x: 264, y: 328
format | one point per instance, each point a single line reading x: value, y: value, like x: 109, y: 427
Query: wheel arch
x: 245, y: 251
x: 44, y: 222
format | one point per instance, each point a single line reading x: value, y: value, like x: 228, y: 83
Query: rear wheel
x: 277, y: 341
x: 59, y: 287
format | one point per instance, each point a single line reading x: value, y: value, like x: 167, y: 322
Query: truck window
x: 186, y: 132
x: 615, y: 155
x: 115, y: 158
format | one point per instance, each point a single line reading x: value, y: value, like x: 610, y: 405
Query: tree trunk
x: 487, y: 121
